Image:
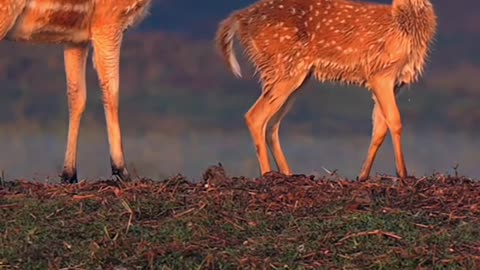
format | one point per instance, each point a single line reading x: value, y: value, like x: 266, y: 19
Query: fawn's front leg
x: 75, y: 63
x: 106, y: 44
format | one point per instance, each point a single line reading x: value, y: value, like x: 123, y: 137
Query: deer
x: 76, y: 25
x: 376, y: 46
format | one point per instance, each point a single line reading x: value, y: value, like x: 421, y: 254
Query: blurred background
x: 182, y: 110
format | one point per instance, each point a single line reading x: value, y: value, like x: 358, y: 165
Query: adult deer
x: 76, y: 24
x: 380, y: 47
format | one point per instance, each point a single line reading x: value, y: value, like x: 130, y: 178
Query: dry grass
x: 274, y: 222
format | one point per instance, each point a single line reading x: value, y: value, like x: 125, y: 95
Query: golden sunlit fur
x: 380, y: 47
x: 76, y: 24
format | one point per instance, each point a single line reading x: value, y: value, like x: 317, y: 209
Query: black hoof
x: 69, y: 178
x: 362, y: 178
x: 122, y: 174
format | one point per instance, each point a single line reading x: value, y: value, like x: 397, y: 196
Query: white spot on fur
x: 59, y: 6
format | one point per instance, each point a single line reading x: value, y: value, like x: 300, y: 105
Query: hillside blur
x: 174, y: 84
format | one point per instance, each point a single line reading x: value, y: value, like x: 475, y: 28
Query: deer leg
x: 256, y: 123
x: 273, y: 139
x: 107, y: 63
x: 75, y: 62
x: 385, y: 95
x: 260, y: 116
x: 10, y: 10
x: 379, y: 132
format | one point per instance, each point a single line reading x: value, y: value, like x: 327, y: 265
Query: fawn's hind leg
x: 385, y: 92
x: 379, y: 132
x: 75, y: 63
x: 259, y: 117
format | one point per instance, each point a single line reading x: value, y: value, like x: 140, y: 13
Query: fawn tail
x: 224, y: 41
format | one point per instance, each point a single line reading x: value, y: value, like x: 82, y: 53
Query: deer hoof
x: 69, y: 177
x: 122, y: 174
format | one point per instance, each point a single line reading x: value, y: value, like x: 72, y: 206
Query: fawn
x: 380, y: 47
x: 76, y: 24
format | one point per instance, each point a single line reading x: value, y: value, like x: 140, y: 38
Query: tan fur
x: 76, y: 24
x: 380, y: 47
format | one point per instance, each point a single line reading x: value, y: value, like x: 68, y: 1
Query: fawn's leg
x: 261, y: 113
x: 256, y: 124
x: 379, y: 132
x: 9, y: 10
x: 273, y: 139
x: 75, y: 63
x: 385, y: 96
x: 106, y: 44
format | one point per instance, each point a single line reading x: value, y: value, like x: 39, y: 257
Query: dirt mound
x: 438, y: 193
x: 235, y: 222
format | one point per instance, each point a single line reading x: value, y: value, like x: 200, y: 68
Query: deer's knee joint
x: 377, y: 141
x: 77, y: 104
x: 396, y: 127
x: 249, y: 119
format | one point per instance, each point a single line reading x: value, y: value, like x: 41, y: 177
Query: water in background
x: 40, y: 156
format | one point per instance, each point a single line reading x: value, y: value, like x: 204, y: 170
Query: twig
x: 233, y: 223
x: 388, y: 177
x: 455, y: 168
x: 84, y: 197
x: 130, y: 218
x: 184, y: 212
x: 326, y: 170
x: 331, y: 173
x: 424, y: 226
x: 12, y: 205
x: 190, y: 210
x: 421, y: 180
x: 375, y: 232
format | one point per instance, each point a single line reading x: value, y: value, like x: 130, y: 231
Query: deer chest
x: 53, y: 21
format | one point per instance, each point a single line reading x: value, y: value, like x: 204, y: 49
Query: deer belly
x: 54, y: 21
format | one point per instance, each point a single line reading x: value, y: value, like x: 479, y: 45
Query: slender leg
x: 107, y: 47
x: 261, y: 113
x: 379, y: 132
x: 10, y: 9
x: 256, y: 123
x: 385, y: 96
x: 75, y: 62
x: 273, y: 139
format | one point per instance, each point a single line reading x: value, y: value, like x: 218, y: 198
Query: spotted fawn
x: 376, y: 46
x: 76, y: 24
